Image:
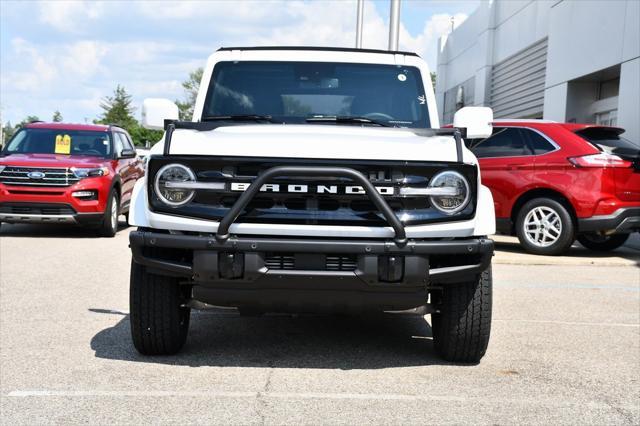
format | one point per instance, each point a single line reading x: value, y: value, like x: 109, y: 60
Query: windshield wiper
x: 240, y: 117
x: 347, y: 119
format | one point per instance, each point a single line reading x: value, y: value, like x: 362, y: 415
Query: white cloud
x: 70, y: 16
x: 158, y: 43
x: 426, y: 43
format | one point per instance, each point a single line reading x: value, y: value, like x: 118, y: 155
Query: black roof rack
x: 318, y: 48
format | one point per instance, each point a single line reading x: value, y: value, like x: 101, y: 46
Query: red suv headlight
x: 89, y: 172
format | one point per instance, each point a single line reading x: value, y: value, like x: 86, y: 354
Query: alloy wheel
x: 542, y: 226
x: 114, y: 213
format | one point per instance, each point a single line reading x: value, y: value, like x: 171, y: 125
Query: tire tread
x: 159, y: 324
x: 462, y: 329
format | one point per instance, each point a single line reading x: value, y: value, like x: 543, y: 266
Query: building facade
x: 562, y: 60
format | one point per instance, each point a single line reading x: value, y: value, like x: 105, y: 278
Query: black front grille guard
x: 305, y: 171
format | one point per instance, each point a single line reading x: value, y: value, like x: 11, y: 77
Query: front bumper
x: 623, y: 220
x: 60, y: 196
x: 386, y: 276
x: 46, y: 213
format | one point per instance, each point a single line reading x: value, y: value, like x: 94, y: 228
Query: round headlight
x: 450, y: 204
x: 174, y: 174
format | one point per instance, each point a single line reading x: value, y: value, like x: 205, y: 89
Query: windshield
x: 610, y: 141
x: 292, y: 92
x: 57, y: 141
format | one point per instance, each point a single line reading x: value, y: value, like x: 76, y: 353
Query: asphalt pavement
x: 565, y: 349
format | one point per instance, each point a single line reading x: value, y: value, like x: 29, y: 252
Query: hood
x: 316, y: 141
x: 51, y: 160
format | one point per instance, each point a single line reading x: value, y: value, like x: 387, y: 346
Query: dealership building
x: 562, y: 60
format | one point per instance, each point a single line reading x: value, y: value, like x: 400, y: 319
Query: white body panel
x: 315, y: 141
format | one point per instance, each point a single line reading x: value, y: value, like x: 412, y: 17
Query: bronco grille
x: 310, y: 200
x: 12, y: 175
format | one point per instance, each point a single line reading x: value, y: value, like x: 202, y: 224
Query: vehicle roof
x: 69, y: 126
x: 318, y: 48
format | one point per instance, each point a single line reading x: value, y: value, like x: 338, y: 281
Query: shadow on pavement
x: 61, y: 230
x: 225, y: 339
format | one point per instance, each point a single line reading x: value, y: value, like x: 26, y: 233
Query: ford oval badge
x: 36, y: 175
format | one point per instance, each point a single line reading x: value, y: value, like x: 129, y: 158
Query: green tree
x: 191, y: 87
x: 7, y: 131
x: 57, y: 117
x: 433, y: 80
x: 28, y: 119
x: 118, y: 109
x: 142, y: 136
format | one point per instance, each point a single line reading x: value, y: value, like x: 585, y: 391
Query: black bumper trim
x: 479, y: 248
x: 623, y: 220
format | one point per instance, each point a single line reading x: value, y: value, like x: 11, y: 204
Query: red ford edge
x: 68, y: 173
x: 553, y: 183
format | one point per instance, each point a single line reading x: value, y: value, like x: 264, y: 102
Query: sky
x: 68, y: 55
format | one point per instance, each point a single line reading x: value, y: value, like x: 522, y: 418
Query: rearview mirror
x: 156, y: 110
x: 477, y: 121
x: 128, y: 153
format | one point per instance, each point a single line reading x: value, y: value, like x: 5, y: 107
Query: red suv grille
x: 35, y: 176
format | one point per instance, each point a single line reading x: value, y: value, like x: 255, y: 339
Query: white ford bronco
x: 313, y: 180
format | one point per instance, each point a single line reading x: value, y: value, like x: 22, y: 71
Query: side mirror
x: 477, y: 121
x: 156, y: 110
x: 128, y: 153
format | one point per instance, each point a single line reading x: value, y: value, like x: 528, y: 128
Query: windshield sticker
x: 63, y: 144
x: 422, y: 99
x: 402, y: 77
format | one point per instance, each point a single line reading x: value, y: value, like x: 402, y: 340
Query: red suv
x: 555, y: 182
x: 71, y: 173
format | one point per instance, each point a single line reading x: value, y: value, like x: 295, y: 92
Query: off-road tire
x: 159, y: 325
x: 462, y: 327
x: 604, y: 243
x: 107, y: 228
x: 567, y: 234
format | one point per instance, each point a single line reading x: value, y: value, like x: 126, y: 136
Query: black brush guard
x: 302, y: 171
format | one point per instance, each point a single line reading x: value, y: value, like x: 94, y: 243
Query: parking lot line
x: 590, y: 324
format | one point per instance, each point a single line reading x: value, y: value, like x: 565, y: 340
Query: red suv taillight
x: 601, y: 160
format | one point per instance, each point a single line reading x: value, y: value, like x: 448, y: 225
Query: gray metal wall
x: 517, y: 83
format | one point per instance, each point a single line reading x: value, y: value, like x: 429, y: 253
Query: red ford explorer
x: 553, y: 183
x: 68, y: 173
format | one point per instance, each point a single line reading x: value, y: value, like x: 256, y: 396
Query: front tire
x: 109, y: 226
x: 159, y: 324
x: 602, y: 242
x: 462, y: 327
x: 544, y: 226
